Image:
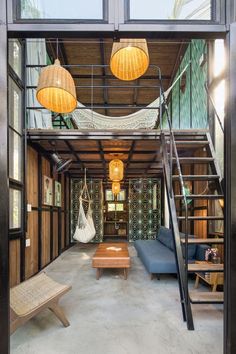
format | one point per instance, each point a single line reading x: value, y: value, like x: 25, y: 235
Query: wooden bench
x: 34, y: 295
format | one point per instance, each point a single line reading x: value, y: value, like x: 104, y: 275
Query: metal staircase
x: 187, y: 143
x: 191, y: 149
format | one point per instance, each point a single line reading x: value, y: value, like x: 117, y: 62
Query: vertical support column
x: 230, y: 197
x: 4, y: 188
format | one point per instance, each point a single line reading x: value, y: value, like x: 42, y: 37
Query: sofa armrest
x: 201, y: 251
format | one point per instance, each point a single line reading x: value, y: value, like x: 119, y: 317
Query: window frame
x: 16, y: 12
x: 217, y: 14
x: 16, y: 233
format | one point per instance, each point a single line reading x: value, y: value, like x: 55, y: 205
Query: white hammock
x: 85, y: 230
x: 143, y: 119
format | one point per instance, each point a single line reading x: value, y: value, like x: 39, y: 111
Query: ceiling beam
x: 74, y: 153
x: 111, y: 77
x: 129, y: 158
x: 103, y: 159
x: 148, y: 152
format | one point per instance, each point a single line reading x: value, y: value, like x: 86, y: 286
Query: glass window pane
x: 219, y: 57
x: 219, y: 101
x: 170, y: 10
x: 15, y: 108
x: 115, y: 207
x: 15, y: 56
x: 15, y: 209
x: 15, y: 152
x: 109, y: 195
x: 68, y: 9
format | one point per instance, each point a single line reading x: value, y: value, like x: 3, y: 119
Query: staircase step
x: 192, y: 143
x: 191, y: 160
x: 213, y: 297
x: 203, y: 240
x: 196, y: 177
x: 212, y: 217
x: 205, y: 267
x: 201, y: 196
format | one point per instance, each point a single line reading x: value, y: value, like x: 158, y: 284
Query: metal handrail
x: 173, y: 148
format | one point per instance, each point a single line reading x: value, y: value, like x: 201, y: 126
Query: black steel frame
x: 7, y: 27
x: 4, y: 188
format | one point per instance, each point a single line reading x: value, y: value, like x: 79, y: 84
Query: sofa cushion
x: 192, y: 248
x: 156, y: 257
x: 165, y: 236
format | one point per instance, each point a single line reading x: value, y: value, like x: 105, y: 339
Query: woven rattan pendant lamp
x: 56, y: 89
x: 115, y: 188
x: 129, y: 59
x: 116, y: 170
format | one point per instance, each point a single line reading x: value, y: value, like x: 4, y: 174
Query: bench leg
x: 151, y: 276
x: 55, y: 308
x: 196, y: 282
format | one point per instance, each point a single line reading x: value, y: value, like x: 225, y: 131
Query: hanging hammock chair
x: 85, y: 230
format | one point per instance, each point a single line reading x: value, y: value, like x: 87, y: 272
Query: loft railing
x: 92, y: 87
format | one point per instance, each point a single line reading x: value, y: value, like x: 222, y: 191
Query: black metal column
x: 4, y: 191
x: 230, y: 205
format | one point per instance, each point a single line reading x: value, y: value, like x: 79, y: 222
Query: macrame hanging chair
x: 85, y: 230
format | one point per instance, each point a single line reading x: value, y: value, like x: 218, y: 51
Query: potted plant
x: 212, y: 254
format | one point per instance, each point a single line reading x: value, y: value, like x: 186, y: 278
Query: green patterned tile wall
x: 188, y: 107
x: 144, y: 208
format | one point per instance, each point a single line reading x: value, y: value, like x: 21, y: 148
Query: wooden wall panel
x: 45, y: 167
x: 201, y: 187
x: 55, y: 234
x: 45, y: 237
x: 32, y: 177
x: 14, y: 259
x: 62, y: 192
x: 62, y: 230
x: 49, y: 232
x: 66, y: 207
x: 31, y: 252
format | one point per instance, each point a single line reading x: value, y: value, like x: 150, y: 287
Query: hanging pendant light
x: 116, y: 170
x: 56, y: 89
x: 129, y: 59
x: 115, y: 188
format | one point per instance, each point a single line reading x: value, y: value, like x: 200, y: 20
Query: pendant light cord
x: 57, y: 48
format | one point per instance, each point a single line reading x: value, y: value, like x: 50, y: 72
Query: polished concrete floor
x: 114, y: 316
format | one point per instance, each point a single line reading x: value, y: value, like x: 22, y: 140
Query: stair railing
x: 173, y: 151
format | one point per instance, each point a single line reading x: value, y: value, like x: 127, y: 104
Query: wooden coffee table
x: 111, y: 255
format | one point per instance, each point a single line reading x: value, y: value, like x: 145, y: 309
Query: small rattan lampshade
x: 56, y: 89
x: 115, y: 188
x: 116, y: 170
x: 129, y: 59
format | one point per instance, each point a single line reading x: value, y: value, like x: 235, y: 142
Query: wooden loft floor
x: 140, y: 150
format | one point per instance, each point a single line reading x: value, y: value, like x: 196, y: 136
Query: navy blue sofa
x: 158, y: 255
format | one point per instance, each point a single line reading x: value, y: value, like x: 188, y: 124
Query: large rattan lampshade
x: 116, y: 170
x: 56, y: 89
x: 129, y: 59
x: 115, y: 188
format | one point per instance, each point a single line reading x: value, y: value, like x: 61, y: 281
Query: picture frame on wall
x: 57, y: 194
x: 47, y: 191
